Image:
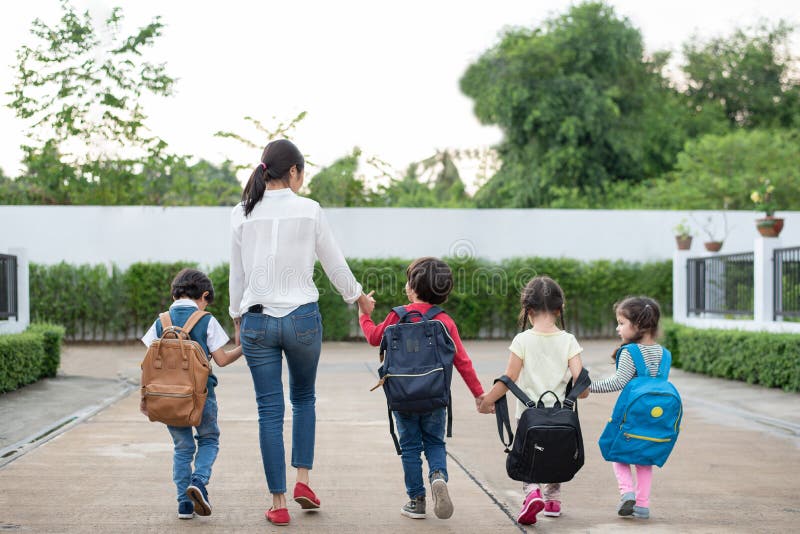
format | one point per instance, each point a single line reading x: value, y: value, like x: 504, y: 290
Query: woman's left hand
x: 237, y: 325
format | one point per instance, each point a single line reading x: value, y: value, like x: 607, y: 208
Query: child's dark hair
x: 431, y: 279
x: 643, y: 313
x: 541, y: 294
x: 192, y: 283
x: 278, y: 158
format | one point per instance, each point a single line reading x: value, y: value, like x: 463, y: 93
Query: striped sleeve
x: 625, y: 372
x: 626, y: 369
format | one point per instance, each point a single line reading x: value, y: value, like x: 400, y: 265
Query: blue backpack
x: 417, y: 365
x: 646, y: 420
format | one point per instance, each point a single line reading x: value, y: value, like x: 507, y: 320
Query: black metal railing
x: 8, y: 286
x: 786, y: 283
x: 720, y: 284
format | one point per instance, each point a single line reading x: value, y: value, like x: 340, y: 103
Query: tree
x: 721, y: 171
x: 337, y: 185
x: 748, y: 75
x: 579, y: 108
x: 72, y: 85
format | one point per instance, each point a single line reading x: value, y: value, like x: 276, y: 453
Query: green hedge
x: 29, y: 356
x: 771, y: 360
x: 98, y: 303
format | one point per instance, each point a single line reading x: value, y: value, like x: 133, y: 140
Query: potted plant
x: 683, y: 235
x: 714, y: 242
x: 764, y: 200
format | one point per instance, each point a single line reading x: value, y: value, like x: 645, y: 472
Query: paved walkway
x: 736, y: 467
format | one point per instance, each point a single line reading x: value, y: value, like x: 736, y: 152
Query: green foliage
x: 147, y: 291
x: 746, y: 75
x: 94, y: 304
x: 754, y: 357
x: 721, y: 171
x: 83, y: 83
x: 29, y: 356
x: 52, y: 335
x: 578, y: 106
x: 337, y: 185
x: 219, y: 276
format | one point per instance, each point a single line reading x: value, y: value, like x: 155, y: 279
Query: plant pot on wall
x: 713, y: 246
x: 769, y: 226
x: 684, y: 242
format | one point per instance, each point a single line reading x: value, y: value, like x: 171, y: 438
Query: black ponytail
x: 276, y: 161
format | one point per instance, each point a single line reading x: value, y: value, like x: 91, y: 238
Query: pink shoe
x: 552, y: 508
x: 533, y: 505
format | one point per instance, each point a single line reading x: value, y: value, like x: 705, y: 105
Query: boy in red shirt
x: 430, y: 281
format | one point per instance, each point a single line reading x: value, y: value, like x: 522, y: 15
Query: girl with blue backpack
x: 646, y: 419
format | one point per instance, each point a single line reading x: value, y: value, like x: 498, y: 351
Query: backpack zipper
x: 175, y: 395
x: 646, y: 438
x: 384, y: 377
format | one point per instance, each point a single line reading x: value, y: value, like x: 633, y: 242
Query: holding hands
x: 366, y: 304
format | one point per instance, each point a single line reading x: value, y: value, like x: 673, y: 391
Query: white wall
x: 128, y: 234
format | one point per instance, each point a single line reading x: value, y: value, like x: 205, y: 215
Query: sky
x: 383, y: 76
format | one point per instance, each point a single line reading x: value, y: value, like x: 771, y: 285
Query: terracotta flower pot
x: 713, y: 246
x: 769, y: 226
x: 684, y: 242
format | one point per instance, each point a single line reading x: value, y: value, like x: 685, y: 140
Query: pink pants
x: 644, y: 478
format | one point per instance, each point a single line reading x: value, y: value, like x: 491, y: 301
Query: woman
x: 276, y: 236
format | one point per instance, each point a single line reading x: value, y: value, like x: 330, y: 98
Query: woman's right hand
x: 237, y: 325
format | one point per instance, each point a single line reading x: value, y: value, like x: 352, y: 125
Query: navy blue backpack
x: 646, y: 420
x: 417, y: 365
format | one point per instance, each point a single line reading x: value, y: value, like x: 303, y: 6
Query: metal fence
x: 720, y: 284
x: 786, y: 284
x: 8, y: 286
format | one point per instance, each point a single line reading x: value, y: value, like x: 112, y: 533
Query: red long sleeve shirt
x: 462, y: 363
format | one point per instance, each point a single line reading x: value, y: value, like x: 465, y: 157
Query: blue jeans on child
x: 420, y: 432
x: 207, y: 436
x: 265, y: 339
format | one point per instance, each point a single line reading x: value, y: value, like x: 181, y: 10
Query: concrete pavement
x: 734, y: 469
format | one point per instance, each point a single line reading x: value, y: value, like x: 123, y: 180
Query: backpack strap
x: 638, y: 359
x: 433, y: 312
x: 501, y: 410
x: 192, y: 321
x: 401, y: 312
x: 166, y: 320
x: 666, y: 363
x: 574, y: 391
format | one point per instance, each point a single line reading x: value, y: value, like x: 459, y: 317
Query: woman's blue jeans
x: 265, y: 340
x: 207, y: 436
x: 420, y: 432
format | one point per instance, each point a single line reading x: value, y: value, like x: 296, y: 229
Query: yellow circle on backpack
x: 657, y: 411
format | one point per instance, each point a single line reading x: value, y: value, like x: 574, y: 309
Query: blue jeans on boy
x: 420, y: 432
x: 207, y: 436
x: 265, y: 339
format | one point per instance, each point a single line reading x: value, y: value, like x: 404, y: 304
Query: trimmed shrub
x: 97, y: 304
x: 52, y: 335
x: 29, y: 356
x: 764, y: 358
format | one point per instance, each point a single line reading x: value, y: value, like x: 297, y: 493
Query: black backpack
x: 417, y: 366
x: 548, y: 445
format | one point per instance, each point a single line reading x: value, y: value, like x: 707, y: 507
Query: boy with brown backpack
x: 178, y: 385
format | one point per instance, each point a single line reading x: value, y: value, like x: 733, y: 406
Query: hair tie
x: 647, y: 306
x: 263, y: 165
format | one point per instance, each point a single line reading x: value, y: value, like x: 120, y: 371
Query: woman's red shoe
x: 305, y: 497
x: 278, y: 516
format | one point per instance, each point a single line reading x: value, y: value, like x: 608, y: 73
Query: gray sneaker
x: 641, y: 512
x: 415, y: 508
x: 442, y: 505
x: 626, y: 503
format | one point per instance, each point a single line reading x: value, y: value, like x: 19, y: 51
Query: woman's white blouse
x: 273, y: 251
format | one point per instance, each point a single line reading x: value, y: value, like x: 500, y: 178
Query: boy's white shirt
x: 545, y: 364
x: 273, y: 251
x: 216, y: 337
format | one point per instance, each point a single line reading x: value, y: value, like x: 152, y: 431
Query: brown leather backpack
x: 175, y: 370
